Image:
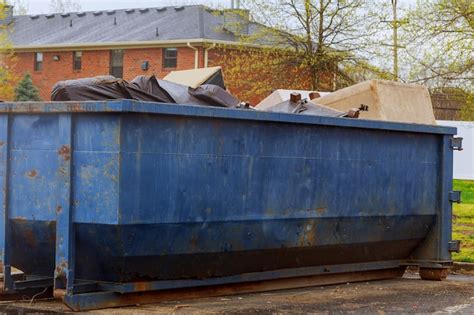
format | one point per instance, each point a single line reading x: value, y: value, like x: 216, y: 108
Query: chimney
x: 236, y: 21
x: 6, y: 17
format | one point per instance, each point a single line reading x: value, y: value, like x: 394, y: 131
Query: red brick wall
x: 133, y: 59
x: 96, y: 63
x: 93, y: 63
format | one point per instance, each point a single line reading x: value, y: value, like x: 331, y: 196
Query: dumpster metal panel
x: 30, y: 175
x: 95, y: 173
x: 249, y: 164
x: 130, y: 193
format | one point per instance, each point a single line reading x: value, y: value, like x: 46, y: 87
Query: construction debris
x: 387, y: 100
x: 196, y: 77
x: 297, y: 105
x: 281, y: 95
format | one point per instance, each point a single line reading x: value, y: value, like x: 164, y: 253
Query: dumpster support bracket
x: 5, y: 241
x: 436, y: 247
x: 456, y: 143
x: 64, y: 269
x: 455, y: 196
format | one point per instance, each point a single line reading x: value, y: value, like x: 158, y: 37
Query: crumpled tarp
x: 150, y: 85
x: 106, y: 88
x: 214, y: 95
x: 305, y: 108
x: 142, y: 88
x: 296, y: 105
x: 207, y: 94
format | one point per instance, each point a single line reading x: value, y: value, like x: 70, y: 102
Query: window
x: 38, y: 61
x: 170, y: 58
x: 116, y: 63
x: 77, y: 60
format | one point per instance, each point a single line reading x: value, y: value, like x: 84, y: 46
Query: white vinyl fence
x: 463, y: 160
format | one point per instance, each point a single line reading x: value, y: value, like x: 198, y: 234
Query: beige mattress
x: 387, y: 100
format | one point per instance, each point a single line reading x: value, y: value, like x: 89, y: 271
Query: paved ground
x: 398, y: 296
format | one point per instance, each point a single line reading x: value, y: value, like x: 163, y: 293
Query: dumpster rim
x: 132, y: 106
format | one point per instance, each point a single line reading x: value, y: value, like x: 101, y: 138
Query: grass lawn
x: 463, y: 221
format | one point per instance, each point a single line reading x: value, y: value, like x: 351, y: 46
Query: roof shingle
x: 118, y: 26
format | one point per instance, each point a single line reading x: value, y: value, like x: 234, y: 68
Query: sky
x: 42, y: 6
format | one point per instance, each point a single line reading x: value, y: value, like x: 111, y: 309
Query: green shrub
x: 26, y: 91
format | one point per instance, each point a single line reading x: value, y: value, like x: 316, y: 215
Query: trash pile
x: 373, y: 99
x: 142, y: 88
x: 387, y: 100
x: 297, y: 105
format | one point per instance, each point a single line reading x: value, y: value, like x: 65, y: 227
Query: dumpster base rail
x: 105, y: 299
x: 88, y: 295
x: 116, y: 295
x: 25, y: 287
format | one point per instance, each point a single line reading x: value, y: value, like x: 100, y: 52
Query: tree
x: 323, y: 39
x: 7, y: 77
x: 20, y: 7
x: 331, y: 34
x: 467, y: 111
x: 441, y: 43
x: 26, y: 91
x: 62, y: 6
x: 252, y: 73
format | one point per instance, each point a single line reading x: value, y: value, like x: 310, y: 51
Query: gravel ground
x: 397, y: 296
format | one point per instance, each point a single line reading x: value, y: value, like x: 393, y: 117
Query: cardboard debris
x: 281, y: 95
x: 196, y: 77
x: 387, y: 100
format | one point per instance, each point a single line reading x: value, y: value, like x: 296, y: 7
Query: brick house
x: 127, y: 43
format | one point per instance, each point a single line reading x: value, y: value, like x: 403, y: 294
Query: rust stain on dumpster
x: 142, y: 286
x: 29, y: 235
x: 308, y: 234
x: 60, y: 270
x: 76, y: 108
x: 30, y: 238
x: 32, y: 174
x: 194, y: 242
x: 321, y: 210
x: 65, y: 152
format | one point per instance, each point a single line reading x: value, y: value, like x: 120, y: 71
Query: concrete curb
x: 463, y: 268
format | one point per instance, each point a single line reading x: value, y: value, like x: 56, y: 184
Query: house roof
x: 194, y: 22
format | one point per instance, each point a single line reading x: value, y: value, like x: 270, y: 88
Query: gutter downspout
x: 206, y: 55
x: 196, y: 54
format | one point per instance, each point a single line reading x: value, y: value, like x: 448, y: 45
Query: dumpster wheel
x: 437, y: 274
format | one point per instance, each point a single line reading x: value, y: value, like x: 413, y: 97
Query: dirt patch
x: 463, y: 268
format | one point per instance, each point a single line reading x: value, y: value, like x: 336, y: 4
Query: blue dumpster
x: 106, y: 200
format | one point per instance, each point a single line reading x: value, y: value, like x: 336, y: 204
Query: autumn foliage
x: 253, y: 73
x: 7, y: 59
